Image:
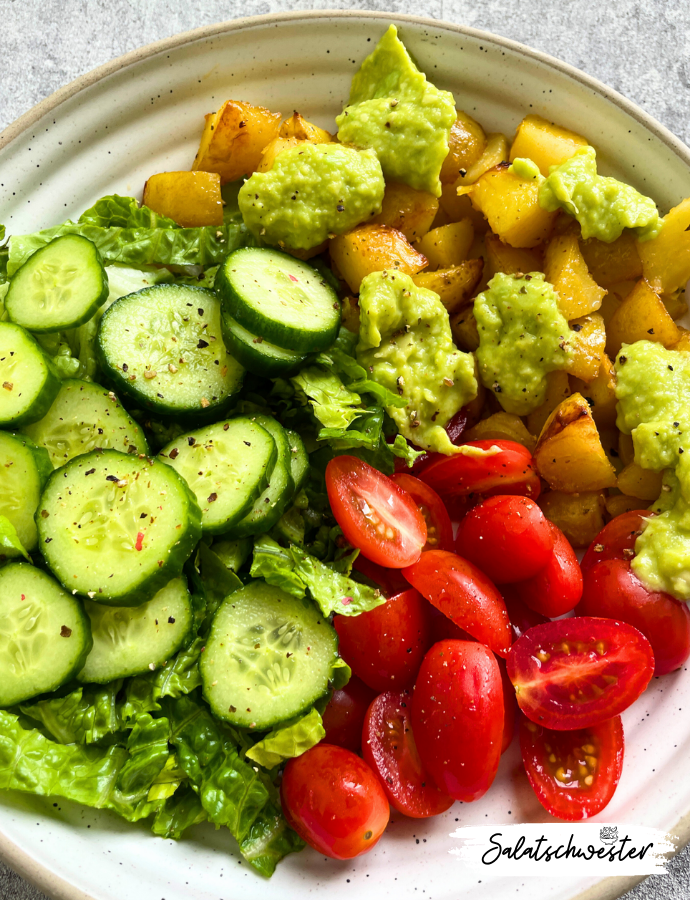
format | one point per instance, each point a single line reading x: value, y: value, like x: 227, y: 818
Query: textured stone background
x: 640, y: 48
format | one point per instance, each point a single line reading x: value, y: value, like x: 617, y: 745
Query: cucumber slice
x: 226, y: 465
x: 163, y: 346
x: 268, y: 657
x: 85, y: 417
x: 132, y: 641
x: 299, y: 460
x: 272, y: 503
x: 28, y: 382
x: 45, y: 634
x: 115, y: 527
x: 280, y: 298
x: 256, y: 354
x: 24, y: 469
x: 58, y: 287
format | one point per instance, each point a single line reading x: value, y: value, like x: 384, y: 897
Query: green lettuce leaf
x: 178, y: 677
x: 168, y: 780
x: 290, y: 740
x: 114, y: 211
x: 84, y: 716
x: 333, y: 404
x: 276, y: 565
x: 10, y: 545
x: 269, y: 840
x: 178, y: 813
x: 147, y: 744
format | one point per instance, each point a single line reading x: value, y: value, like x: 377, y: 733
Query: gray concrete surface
x: 640, y: 48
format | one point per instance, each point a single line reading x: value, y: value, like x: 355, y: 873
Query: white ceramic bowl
x: 109, y: 130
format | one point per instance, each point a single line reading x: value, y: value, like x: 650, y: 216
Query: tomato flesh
x: 576, y: 673
x: 509, y: 471
x: 375, y: 514
x: 457, y: 717
x: 574, y: 773
x: 557, y: 588
x: 385, y: 646
x: 389, y: 748
x: 439, y: 531
x: 343, y: 718
x: 509, y: 538
x: 463, y: 593
x: 616, y: 540
x: 334, y: 801
x: 612, y: 590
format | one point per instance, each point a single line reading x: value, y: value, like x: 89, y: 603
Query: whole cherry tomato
x: 522, y: 618
x: 385, y: 646
x: 612, y: 590
x: 576, y: 673
x: 509, y: 538
x: 439, y: 531
x: 343, y: 718
x: 389, y: 581
x: 389, y: 747
x: 376, y: 515
x: 464, y: 594
x: 510, y: 707
x: 556, y: 589
x: 509, y: 470
x: 616, y: 540
x: 574, y: 773
x: 457, y: 717
x: 443, y: 629
x: 334, y: 802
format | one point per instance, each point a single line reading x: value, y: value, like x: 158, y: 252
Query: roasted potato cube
x: 579, y: 516
x: 373, y: 248
x: 569, y: 455
x: 455, y: 285
x: 609, y: 305
x: 557, y: 389
x: 683, y: 342
x: 495, y: 152
x: 640, y: 317
x: 588, y: 344
x: 448, y: 245
x: 544, y: 143
x: 502, y: 257
x: 501, y: 426
x: 277, y: 145
x: 298, y: 127
x: 407, y: 209
x: 511, y: 206
x: 626, y: 448
x: 617, y: 504
x: 600, y: 393
x: 466, y: 143
x: 609, y: 441
x: 614, y: 262
x: 566, y: 270
x: 234, y: 139
x: 676, y: 304
x: 635, y: 481
x: 192, y: 199
x: 666, y: 258
x: 463, y: 325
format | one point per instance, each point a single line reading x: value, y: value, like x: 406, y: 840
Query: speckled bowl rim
x: 23, y: 863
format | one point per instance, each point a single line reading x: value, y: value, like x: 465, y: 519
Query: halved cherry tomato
x: 576, y: 673
x: 522, y: 618
x: 343, y: 718
x: 556, y: 589
x: 574, y: 773
x: 389, y: 581
x: 507, y: 537
x: 464, y: 594
x: 508, y: 471
x: 439, y: 531
x: 510, y: 707
x: 376, y: 515
x: 457, y: 717
x: 388, y: 746
x: 385, y: 646
x: 612, y: 589
x: 616, y: 540
x: 334, y: 801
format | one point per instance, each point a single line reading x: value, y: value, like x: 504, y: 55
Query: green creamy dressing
x: 653, y: 392
x: 395, y: 111
x: 603, y: 206
x: 405, y: 344
x: 312, y: 192
x: 522, y: 336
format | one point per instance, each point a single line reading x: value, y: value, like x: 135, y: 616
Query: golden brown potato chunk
x: 588, y: 344
x: 666, y: 259
x: 373, y: 248
x: 579, y: 516
x: 600, y: 393
x: 618, y: 504
x: 641, y: 317
x: 192, y: 199
x: 544, y: 143
x: 557, y: 389
x: 501, y: 426
x: 611, y: 263
x: 455, y: 285
x: 298, y: 127
x: 466, y: 144
x: 234, y: 139
x: 502, y: 257
x: 448, y: 245
x: 463, y: 326
x: 276, y: 146
x: 407, y: 209
x: 566, y: 270
x: 495, y: 152
x: 635, y: 481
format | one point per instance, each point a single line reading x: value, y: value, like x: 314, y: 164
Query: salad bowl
x: 105, y: 133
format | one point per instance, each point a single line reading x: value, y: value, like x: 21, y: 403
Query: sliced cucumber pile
x: 115, y: 527
x: 256, y: 354
x: 84, y: 417
x: 28, y: 382
x: 45, y: 635
x: 227, y: 466
x: 163, y: 346
x: 268, y: 657
x: 24, y: 469
x: 130, y: 641
x: 278, y: 299
x: 59, y: 286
